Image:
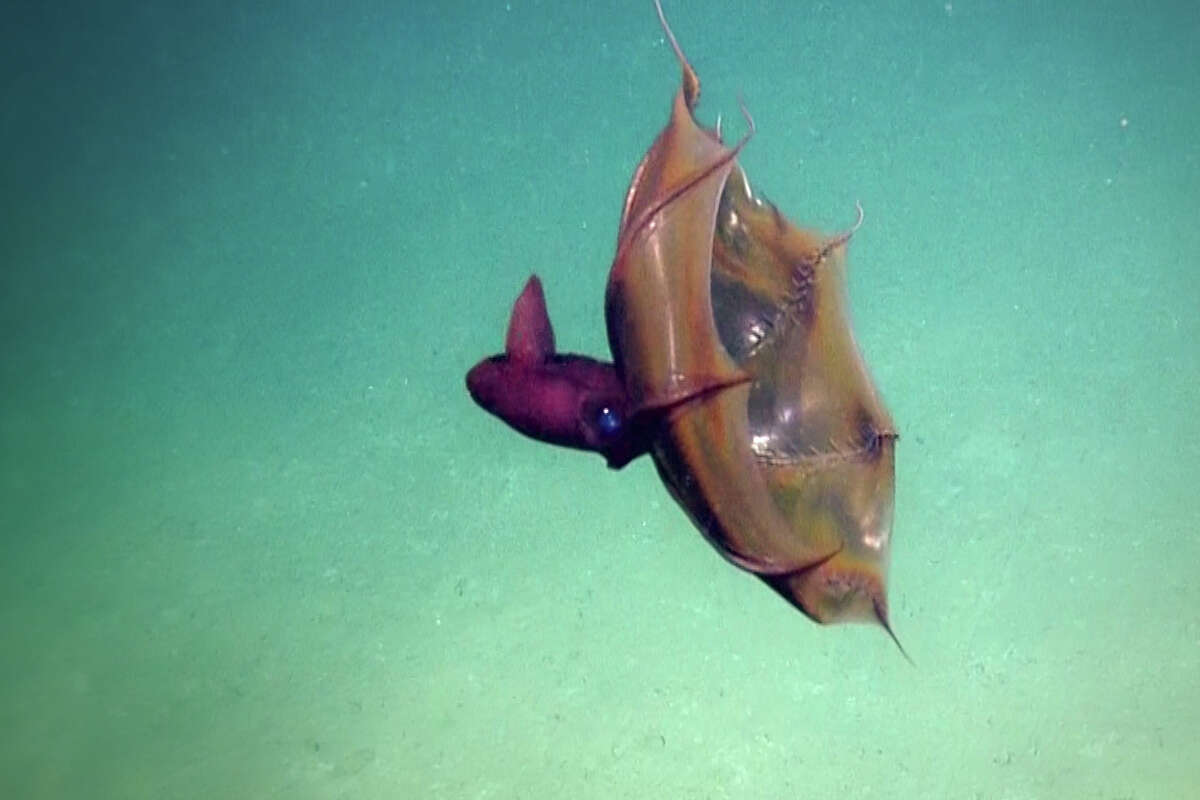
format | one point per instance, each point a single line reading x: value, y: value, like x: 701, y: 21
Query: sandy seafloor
x: 256, y: 541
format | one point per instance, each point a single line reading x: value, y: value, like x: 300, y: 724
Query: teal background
x: 256, y: 541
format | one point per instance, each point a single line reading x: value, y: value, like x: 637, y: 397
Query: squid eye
x: 609, y: 420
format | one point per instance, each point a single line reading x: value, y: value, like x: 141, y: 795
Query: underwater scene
x: 516, y: 399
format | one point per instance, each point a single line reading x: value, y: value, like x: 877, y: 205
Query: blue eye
x: 609, y: 420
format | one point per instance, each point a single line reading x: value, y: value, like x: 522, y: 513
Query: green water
x: 255, y: 540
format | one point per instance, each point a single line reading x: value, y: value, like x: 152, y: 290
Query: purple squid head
x: 563, y: 399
